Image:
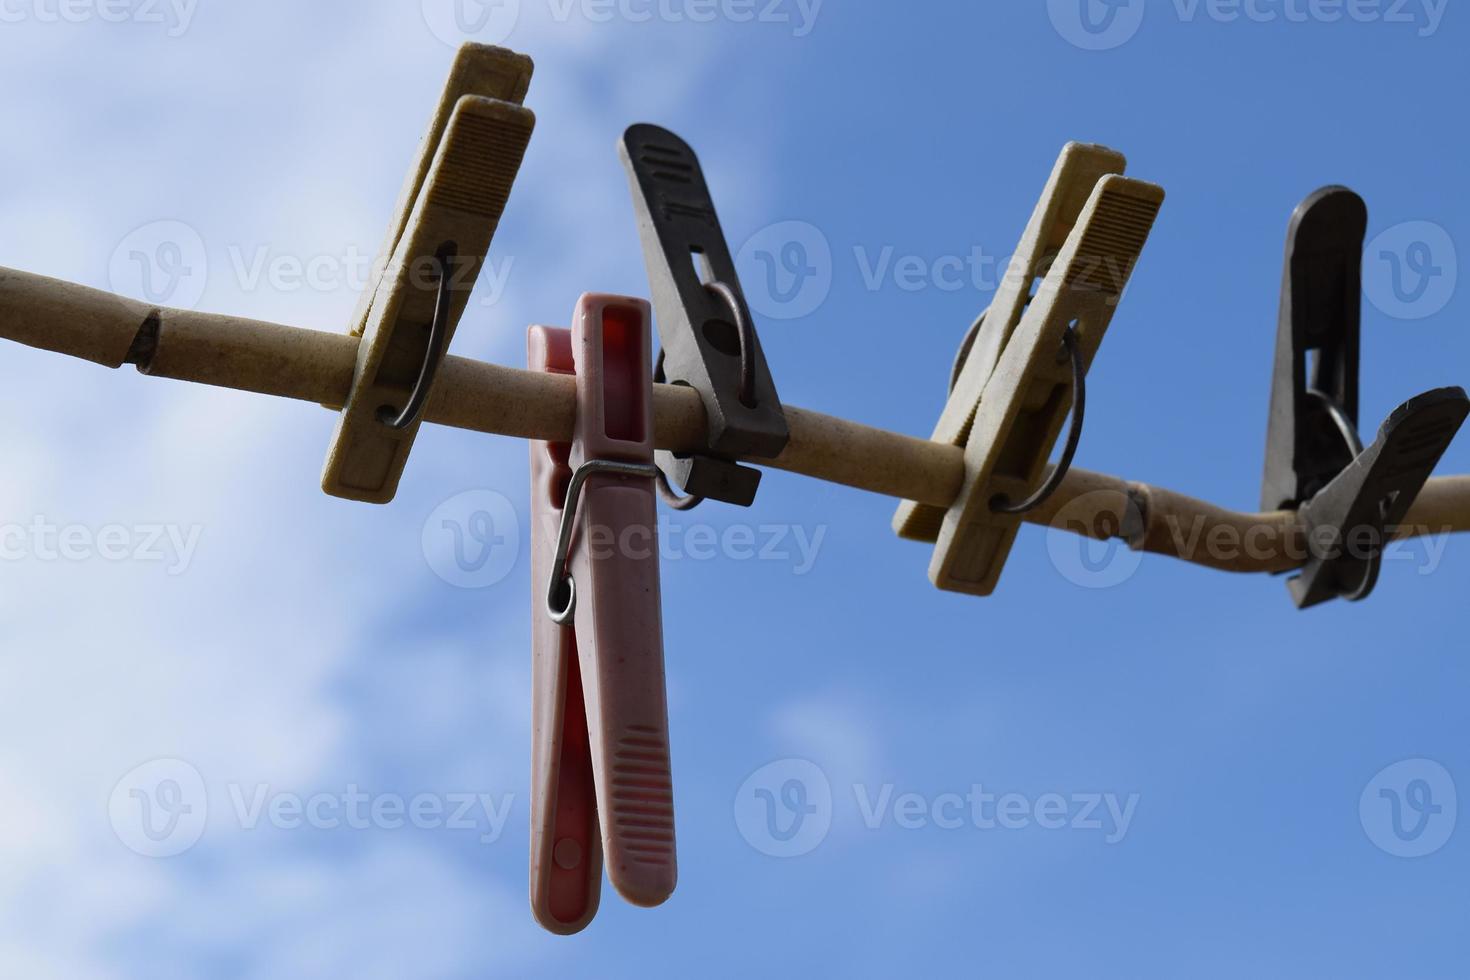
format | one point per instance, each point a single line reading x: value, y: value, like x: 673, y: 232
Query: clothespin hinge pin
x: 561, y: 590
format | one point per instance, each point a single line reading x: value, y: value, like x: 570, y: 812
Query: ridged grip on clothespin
x: 1078, y: 169
x: 478, y: 69
x: 456, y: 209
x: 602, y: 786
x: 566, y: 843
x: 709, y: 340
x: 619, y: 620
x: 1347, y: 522
x: 1026, y: 399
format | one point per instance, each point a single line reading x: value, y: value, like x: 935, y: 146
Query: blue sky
x: 269, y: 644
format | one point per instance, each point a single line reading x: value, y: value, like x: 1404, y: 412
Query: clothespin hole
x: 562, y: 600
x: 567, y: 854
x: 1064, y: 352
x: 723, y: 337
x: 702, y: 270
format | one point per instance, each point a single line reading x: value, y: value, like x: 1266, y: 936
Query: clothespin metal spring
x: 745, y: 331
x: 561, y: 589
x: 1000, y: 503
x: 434, y: 356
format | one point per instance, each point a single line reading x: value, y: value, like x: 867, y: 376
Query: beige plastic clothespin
x: 437, y: 243
x: 1015, y: 387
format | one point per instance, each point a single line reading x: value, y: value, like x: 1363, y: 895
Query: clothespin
x: 1025, y: 361
x: 1312, y: 434
x: 708, y: 336
x: 1315, y: 461
x: 1347, y: 522
x: 601, y: 784
x: 437, y: 244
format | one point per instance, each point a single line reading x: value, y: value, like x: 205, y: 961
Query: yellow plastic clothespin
x: 437, y: 243
x: 1015, y: 386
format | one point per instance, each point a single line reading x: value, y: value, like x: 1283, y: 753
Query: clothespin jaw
x: 566, y: 847
x: 437, y: 244
x: 708, y: 337
x: 1078, y: 169
x: 1348, y: 497
x: 1312, y: 434
x: 1348, y: 521
x: 602, y: 786
x: 1029, y: 358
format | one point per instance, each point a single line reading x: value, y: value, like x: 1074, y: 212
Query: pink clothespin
x: 601, y: 785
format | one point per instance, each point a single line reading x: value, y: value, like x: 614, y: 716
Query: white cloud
x: 299, y: 616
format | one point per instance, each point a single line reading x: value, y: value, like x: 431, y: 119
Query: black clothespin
x: 1348, y: 521
x: 1314, y: 392
x: 708, y: 336
x: 1348, y: 497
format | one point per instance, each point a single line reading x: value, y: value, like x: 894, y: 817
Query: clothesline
x: 314, y: 366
